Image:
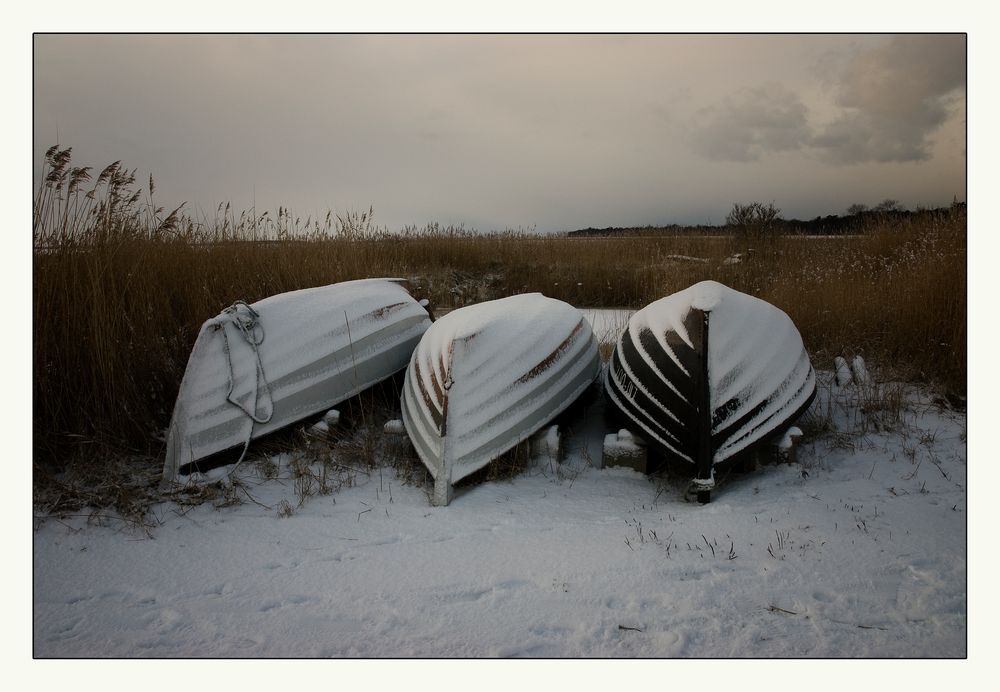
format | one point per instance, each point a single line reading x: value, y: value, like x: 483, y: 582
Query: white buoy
x: 843, y: 372
x: 394, y: 427
x: 319, y: 428
x: 861, y: 375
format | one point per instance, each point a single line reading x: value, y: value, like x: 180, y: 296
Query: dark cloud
x: 768, y: 118
x: 893, y: 98
x: 889, y: 100
x: 494, y: 131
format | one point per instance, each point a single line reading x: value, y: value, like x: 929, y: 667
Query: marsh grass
x: 121, y: 287
x: 354, y: 450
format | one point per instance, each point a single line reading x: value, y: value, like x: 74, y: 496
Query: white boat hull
x: 702, y: 395
x: 488, y: 376
x: 318, y: 347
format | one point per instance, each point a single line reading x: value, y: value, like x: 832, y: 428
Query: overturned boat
x: 487, y: 376
x: 707, y: 374
x: 260, y: 367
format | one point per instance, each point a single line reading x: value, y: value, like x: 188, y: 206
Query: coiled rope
x: 245, y: 319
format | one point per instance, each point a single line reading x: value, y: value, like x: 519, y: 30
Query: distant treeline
x: 821, y: 225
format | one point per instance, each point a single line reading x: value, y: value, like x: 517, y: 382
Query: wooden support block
x: 397, y: 440
x: 785, y: 450
x: 623, y: 449
x: 546, y: 445
x: 700, y: 489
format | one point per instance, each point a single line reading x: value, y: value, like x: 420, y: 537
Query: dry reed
x: 121, y: 288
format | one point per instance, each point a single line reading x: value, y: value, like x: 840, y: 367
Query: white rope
x: 248, y: 325
x: 246, y: 322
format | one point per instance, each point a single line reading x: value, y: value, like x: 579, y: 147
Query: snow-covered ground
x: 607, y: 323
x: 857, y: 550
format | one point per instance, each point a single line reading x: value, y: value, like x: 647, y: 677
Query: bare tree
x: 755, y: 220
x: 888, y: 205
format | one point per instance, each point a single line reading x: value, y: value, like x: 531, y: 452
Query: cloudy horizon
x: 543, y: 132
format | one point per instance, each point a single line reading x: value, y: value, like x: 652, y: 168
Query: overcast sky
x: 546, y: 132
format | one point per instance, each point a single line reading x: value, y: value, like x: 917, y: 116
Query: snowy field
x: 857, y: 550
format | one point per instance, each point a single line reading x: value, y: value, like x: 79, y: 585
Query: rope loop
x: 245, y: 319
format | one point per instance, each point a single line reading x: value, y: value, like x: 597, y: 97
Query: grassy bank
x: 122, y: 286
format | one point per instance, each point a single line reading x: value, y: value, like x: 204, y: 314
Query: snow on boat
x: 708, y: 373
x: 486, y: 376
x: 257, y: 368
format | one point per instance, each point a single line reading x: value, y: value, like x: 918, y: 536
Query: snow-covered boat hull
x: 257, y: 368
x: 488, y: 376
x: 708, y: 373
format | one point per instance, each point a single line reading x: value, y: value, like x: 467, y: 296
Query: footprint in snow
x: 66, y: 631
x: 219, y: 590
x: 165, y: 621
x: 295, y: 600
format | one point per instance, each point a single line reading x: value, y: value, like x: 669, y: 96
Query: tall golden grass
x: 121, y: 288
